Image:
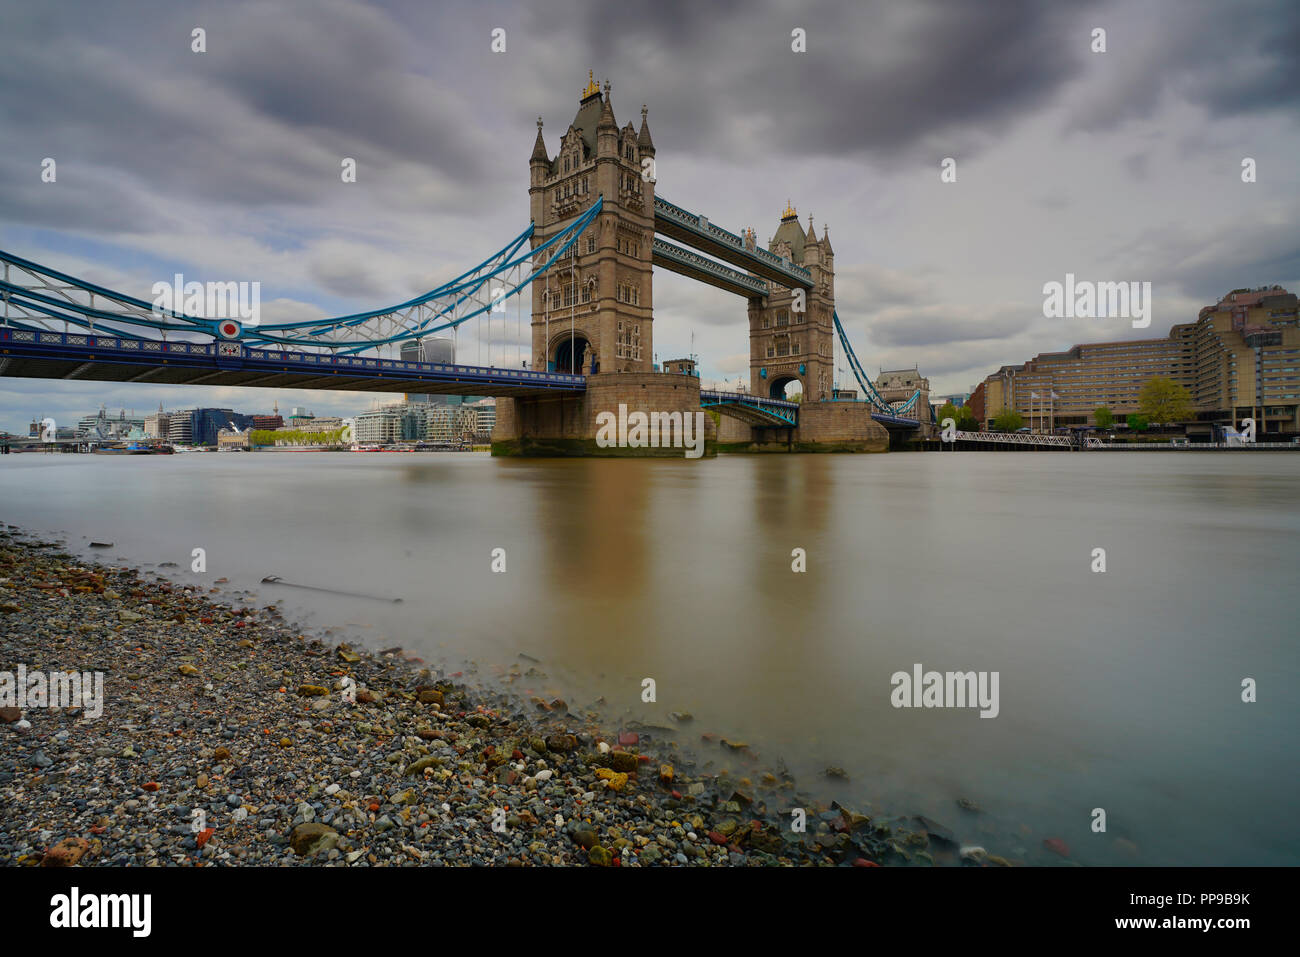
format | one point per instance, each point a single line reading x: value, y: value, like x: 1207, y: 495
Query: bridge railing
x: 235, y: 350
x: 748, y: 398
x: 1095, y: 443
x: 1017, y: 438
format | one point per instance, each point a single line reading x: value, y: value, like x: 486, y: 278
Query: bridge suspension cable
x: 38, y: 298
x: 864, y: 381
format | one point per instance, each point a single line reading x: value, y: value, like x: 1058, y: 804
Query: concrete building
x: 1239, y: 359
x: 485, y: 418
x: 378, y: 427
x: 1246, y: 349
x: 266, y: 421
x: 325, y: 423
x: 156, y: 424
x: 454, y: 424
x: 180, y: 427
x: 899, y: 385
x: 681, y: 367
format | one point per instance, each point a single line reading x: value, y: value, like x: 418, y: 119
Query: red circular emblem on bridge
x: 228, y: 329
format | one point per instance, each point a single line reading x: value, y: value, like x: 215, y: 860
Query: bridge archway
x: 786, y: 387
x: 572, y: 353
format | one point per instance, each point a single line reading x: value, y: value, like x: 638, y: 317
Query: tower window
x: 591, y: 244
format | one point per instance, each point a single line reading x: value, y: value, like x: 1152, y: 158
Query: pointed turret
x: 812, y: 235
x: 607, y: 113
x: 826, y: 241
x: 539, y: 147
x: 643, y: 141
x: 606, y: 128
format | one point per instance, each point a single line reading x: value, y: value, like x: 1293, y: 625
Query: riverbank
x: 227, y: 737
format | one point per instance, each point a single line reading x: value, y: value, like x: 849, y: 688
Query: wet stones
x: 66, y: 853
x: 312, y: 838
x: 559, y: 743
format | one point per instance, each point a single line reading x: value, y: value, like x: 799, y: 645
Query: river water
x: 1118, y: 690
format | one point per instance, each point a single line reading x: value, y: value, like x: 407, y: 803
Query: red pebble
x: 628, y: 738
x: 863, y: 862
x: 517, y: 755
x: 151, y: 786
x: 643, y: 758
x: 1057, y: 846
x: 203, y: 836
x: 677, y: 795
x: 717, y: 838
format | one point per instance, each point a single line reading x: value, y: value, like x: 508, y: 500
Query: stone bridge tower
x: 592, y: 311
x: 785, y: 344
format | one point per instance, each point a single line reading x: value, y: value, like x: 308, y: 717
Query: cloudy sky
x: 224, y: 165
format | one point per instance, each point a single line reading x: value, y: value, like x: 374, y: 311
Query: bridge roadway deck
x: 696, y: 231
x: 96, y: 358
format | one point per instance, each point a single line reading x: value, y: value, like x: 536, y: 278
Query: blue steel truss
x: 39, y: 299
x: 754, y: 409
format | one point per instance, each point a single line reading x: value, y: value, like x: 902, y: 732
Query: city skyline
x: 1077, y: 146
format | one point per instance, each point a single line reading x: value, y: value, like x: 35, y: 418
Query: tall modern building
x: 202, y: 426
x: 180, y: 427
x: 438, y: 350
x: 485, y: 411
x: 1240, y: 359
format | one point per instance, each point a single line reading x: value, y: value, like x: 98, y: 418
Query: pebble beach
x: 228, y: 737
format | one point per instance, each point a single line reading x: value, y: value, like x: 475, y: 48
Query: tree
x: 1008, y: 420
x: 1103, y: 417
x: 966, y: 419
x: 1137, y: 423
x: 947, y: 411
x: 1165, y: 401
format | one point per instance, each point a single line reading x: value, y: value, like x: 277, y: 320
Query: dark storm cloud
x: 265, y: 116
x: 876, y: 79
x: 1231, y: 59
x: 934, y: 324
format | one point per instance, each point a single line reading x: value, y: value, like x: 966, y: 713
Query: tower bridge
x: 597, y: 232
